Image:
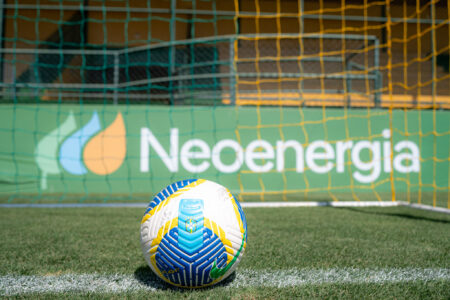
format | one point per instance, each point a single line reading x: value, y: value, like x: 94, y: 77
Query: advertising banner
x: 136, y: 149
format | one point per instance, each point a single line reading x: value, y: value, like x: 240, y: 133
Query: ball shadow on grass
x: 147, y: 277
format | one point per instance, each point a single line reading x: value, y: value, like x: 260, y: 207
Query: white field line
x: 244, y: 204
x: 71, y: 205
x: 427, y: 207
x: 97, y: 283
x: 315, y: 204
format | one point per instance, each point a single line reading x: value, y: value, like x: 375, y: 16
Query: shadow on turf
x: 146, y: 276
x: 392, y: 214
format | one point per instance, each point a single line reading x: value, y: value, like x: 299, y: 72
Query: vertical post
x: 232, y: 90
x: 84, y: 30
x: 378, y: 79
x: 348, y: 79
x: 172, y: 57
x: 116, y: 77
x: 433, y: 53
x: 1, y: 37
x: 302, y: 31
x: 433, y: 91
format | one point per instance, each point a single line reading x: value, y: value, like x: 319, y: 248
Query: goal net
x: 277, y: 100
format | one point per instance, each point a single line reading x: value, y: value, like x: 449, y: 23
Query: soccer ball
x: 193, y: 233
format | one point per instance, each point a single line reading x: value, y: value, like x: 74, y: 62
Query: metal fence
x: 203, y: 71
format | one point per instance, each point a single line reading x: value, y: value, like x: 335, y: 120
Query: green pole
x: 172, y: 57
x: 2, y: 8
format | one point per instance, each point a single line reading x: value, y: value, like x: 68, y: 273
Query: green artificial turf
x: 40, y: 241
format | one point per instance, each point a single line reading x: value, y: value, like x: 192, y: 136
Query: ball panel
x: 220, y: 207
x: 190, y: 224
x: 166, y: 192
x: 186, y: 269
x: 170, y: 192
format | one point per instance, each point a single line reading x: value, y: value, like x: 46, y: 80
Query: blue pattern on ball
x: 190, y: 224
x: 189, y: 269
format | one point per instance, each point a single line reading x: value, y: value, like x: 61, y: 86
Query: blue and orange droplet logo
x: 100, y: 151
x: 90, y: 148
x: 105, y: 152
x: 70, y: 153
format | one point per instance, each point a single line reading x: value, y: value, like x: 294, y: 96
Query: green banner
x: 132, y: 150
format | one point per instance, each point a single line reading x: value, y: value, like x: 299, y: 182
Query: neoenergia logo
x: 368, y: 158
x: 88, y: 148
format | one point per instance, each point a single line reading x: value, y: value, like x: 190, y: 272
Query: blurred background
x: 220, y: 52
x: 245, y: 70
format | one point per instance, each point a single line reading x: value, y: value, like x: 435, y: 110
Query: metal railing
x: 204, y: 68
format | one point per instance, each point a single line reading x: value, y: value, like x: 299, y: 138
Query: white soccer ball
x: 193, y: 233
